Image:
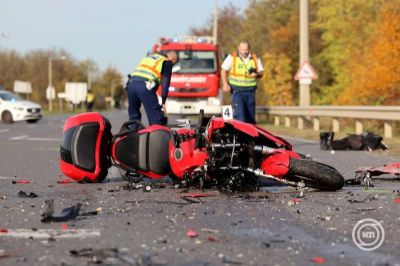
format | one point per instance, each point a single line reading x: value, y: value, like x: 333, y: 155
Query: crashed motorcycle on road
x: 227, y: 154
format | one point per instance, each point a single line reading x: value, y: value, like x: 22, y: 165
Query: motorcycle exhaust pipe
x: 259, y: 173
x: 264, y: 149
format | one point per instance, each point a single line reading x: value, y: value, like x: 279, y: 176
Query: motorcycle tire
x: 315, y: 175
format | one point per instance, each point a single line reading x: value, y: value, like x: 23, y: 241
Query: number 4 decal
x: 227, y: 112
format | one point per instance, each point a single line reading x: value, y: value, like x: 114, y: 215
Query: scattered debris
x: 209, y: 230
x: 23, y: 194
x: 21, y: 181
x: 294, y: 201
x: 168, y: 202
x: 4, y: 254
x: 198, y: 195
x: 109, y: 256
x: 189, y: 200
x: 3, y: 197
x: 369, y: 198
x: 147, y: 187
x: 35, y: 233
x: 227, y: 260
x: 364, y: 210
x: 64, y: 227
x: 96, y: 212
x: 211, y: 239
x: 67, y: 214
x: 318, y: 260
x: 265, y: 245
x: 324, y: 217
x: 130, y: 186
x: 192, y: 233
x: 65, y: 181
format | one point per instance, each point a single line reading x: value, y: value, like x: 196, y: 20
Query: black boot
x: 326, y: 139
x: 323, y: 137
x: 331, y: 134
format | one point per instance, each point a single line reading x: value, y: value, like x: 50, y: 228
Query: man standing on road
x: 143, y: 83
x: 243, y: 68
x: 89, y: 101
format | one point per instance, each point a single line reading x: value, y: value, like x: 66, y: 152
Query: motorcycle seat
x: 145, y: 151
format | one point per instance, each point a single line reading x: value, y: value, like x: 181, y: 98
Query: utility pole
x: 50, y: 87
x: 112, y: 94
x: 89, y: 78
x: 215, y: 23
x: 50, y: 91
x: 304, y: 53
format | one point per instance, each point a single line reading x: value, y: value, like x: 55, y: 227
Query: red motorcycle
x: 228, y: 154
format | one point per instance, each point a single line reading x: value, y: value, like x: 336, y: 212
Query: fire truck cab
x: 195, y: 79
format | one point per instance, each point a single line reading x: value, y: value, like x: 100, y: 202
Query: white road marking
x: 19, y: 137
x: 6, y: 177
x: 43, y: 139
x: 26, y: 137
x: 54, y: 233
x: 4, y: 130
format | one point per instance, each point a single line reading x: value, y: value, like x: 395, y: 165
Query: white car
x: 14, y: 108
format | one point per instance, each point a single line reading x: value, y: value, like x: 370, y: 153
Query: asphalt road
x: 150, y: 228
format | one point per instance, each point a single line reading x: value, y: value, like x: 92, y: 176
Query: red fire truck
x: 195, y: 79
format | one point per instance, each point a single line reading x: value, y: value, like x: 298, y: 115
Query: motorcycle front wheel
x: 315, y: 175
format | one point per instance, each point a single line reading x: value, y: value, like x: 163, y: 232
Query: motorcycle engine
x: 229, y: 154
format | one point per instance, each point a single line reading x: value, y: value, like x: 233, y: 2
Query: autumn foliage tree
x: 345, y: 26
x: 375, y: 76
x: 277, y: 79
x: 354, y: 47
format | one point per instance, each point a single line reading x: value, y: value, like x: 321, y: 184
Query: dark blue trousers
x: 138, y: 94
x: 244, y: 104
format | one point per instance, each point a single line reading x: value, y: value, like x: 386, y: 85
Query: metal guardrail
x: 359, y: 113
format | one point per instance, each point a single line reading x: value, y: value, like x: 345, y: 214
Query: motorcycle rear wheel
x: 315, y: 175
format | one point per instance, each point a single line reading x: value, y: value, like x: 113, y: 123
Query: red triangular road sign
x: 306, y: 71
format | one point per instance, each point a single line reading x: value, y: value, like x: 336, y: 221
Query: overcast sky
x: 110, y: 32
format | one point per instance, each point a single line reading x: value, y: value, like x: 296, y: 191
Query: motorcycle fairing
x: 186, y: 158
x: 84, y: 146
x: 393, y: 168
x: 278, y: 164
x: 239, y: 125
x: 249, y: 129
